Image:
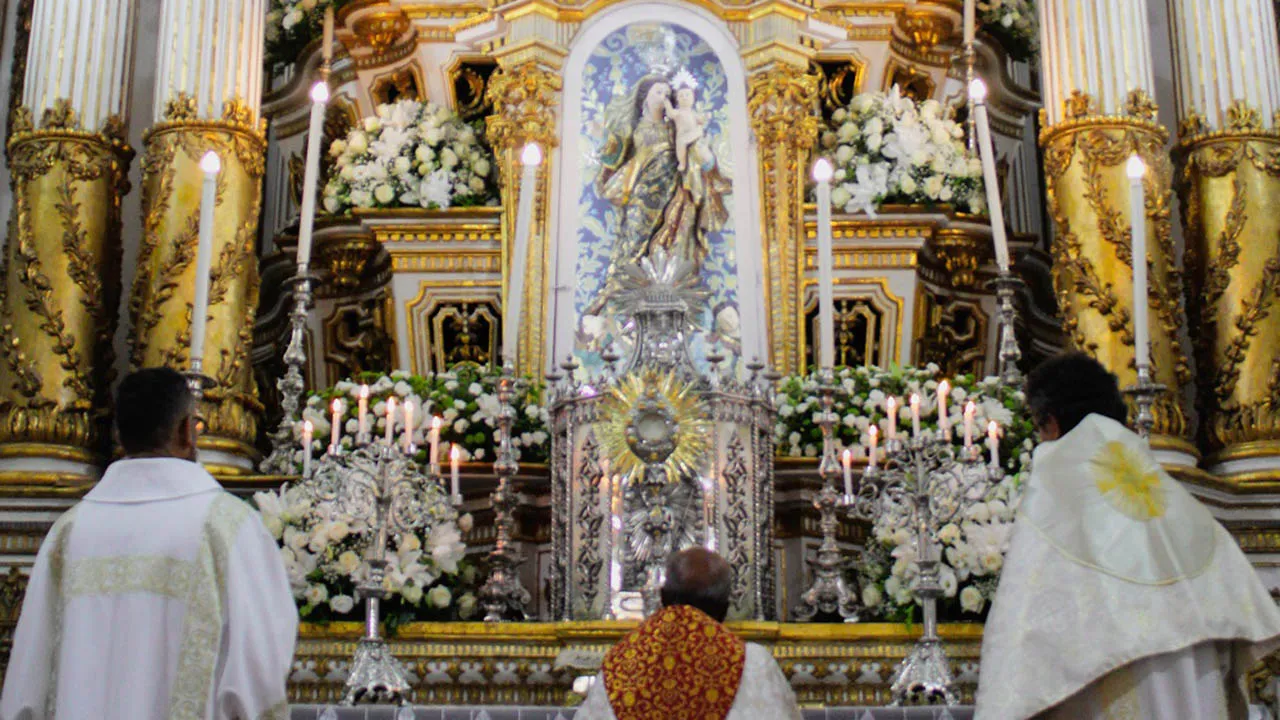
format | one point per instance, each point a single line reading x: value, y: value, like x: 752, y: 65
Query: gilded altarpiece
x: 161, y: 300
x: 60, y: 290
x: 1228, y: 183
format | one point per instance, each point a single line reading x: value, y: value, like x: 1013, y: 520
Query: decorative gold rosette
x: 655, y: 418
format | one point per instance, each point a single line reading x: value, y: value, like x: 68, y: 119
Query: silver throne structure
x: 700, y: 470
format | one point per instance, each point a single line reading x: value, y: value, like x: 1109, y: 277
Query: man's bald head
x: 699, y: 578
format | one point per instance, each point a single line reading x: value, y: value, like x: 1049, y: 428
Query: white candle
x: 993, y: 442
x: 1138, y: 220
x: 435, y: 441
x: 454, y: 455
x: 970, y: 24
x: 308, y: 431
x: 891, y: 412
x: 873, y: 440
x: 944, y: 422
x: 978, y: 94
x: 311, y: 174
x: 969, y: 411
x: 211, y: 165
x: 363, y: 413
x: 408, y: 427
x: 328, y: 35
x: 391, y: 421
x: 915, y: 414
x: 336, y: 434
x: 822, y: 172
x: 846, y: 458
x: 531, y: 158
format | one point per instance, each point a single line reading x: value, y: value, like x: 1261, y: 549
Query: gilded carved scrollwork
x: 524, y: 99
x: 1087, y: 189
x: 59, y: 285
x: 1228, y: 181
x: 783, y: 107
x: 160, y: 304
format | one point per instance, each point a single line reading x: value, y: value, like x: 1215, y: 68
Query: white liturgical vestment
x: 160, y: 596
x: 762, y: 693
x: 1121, y: 596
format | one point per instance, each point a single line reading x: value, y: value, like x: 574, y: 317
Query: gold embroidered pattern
x: 118, y: 575
x: 1131, y: 485
x: 60, y: 532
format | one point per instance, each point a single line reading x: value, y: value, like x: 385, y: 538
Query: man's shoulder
x: 227, y: 516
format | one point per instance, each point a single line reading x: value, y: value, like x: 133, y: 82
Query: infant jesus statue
x: 688, y: 122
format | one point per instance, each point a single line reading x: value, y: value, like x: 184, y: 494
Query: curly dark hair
x: 1069, y: 388
x: 149, y: 405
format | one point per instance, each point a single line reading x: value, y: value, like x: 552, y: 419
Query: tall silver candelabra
x: 830, y: 593
x: 383, y: 486
x: 1007, y: 285
x: 1144, y: 394
x: 291, y: 384
x: 929, y: 481
x: 502, y: 595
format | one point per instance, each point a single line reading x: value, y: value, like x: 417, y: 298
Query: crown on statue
x: 684, y: 79
x: 656, y: 46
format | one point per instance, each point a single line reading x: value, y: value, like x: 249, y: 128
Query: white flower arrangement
x: 974, y: 544
x: 411, y: 154
x: 290, y: 25
x: 887, y: 149
x: 427, y: 574
x: 1013, y: 23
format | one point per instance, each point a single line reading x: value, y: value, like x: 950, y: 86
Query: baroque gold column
x: 207, y: 98
x: 1098, y: 112
x: 59, y: 275
x: 524, y: 98
x: 782, y: 104
x: 1228, y: 72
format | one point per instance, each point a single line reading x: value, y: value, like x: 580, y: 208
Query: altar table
x: 311, y: 712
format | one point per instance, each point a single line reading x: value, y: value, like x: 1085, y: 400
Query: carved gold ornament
x: 651, y: 418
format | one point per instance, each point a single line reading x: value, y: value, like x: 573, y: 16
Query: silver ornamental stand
x: 502, y: 595
x: 1007, y: 285
x: 830, y: 593
x: 383, y: 486
x: 1144, y: 394
x: 924, y: 480
x: 291, y: 385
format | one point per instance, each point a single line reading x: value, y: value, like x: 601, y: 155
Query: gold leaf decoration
x: 678, y: 401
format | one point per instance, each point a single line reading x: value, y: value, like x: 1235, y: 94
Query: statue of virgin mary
x: 655, y: 203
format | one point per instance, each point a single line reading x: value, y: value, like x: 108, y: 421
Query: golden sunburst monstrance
x: 651, y: 417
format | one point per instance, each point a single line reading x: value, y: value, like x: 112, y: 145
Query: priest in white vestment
x: 1121, y: 596
x: 682, y: 663
x: 159, y: 596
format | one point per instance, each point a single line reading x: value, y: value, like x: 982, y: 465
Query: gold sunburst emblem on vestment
x: 655, y: 418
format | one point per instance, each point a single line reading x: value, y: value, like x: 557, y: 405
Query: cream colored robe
x: 159, y: 596
x: 1119, y: 591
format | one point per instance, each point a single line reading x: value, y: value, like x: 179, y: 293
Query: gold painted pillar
x: 1098, y: 111
x: 59, y: 275
x: 782, y: 104
x: 525, y: 96
x: 1228, y: 75
x: 208, y: 92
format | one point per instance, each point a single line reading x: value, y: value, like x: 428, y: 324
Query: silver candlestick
x: 502, y: 595
x: 923, y: 480
x: 383, y: 486
x: 291, y: 385
x: 1007, y: 285
x: 1144, y: 394
x: 830, y: 593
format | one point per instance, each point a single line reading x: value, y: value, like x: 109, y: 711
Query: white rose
x: 908, y: 185
x: 348, y: 173
x: 874, y: 126
x: 412, y: 594
x: 991, y: 561
x: 341, y: 604
x: 339, y: 531
x: 372, y: 124
x: 971, y: 600
x: 316, y: 594
x: 433, y: 136
x: 448, y: 158
x: 362, y: 198
x: 481, y: 167
x: 337, y: 147
x: 274, y: 526
x: 840, y: 197
x: 871, y: 596
x: 945, y: 195
x: 840, y: 115
x: 292, y: 19
x: 466, y: 605
x: 477, y: 184
x: 874, y: 142
x: 847, y: 132
x: 844, y: 154
x: 384, y: 194
x: 402, y: 165
x: 331, y: 204
x: 348, y: 563
x: 440, y: 596
x: 357, y: 142
x: 933, y: 186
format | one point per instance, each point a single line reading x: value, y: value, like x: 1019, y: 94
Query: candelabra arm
x: 502, y: 595
x: 830, y: 593
x: 291, y: 385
